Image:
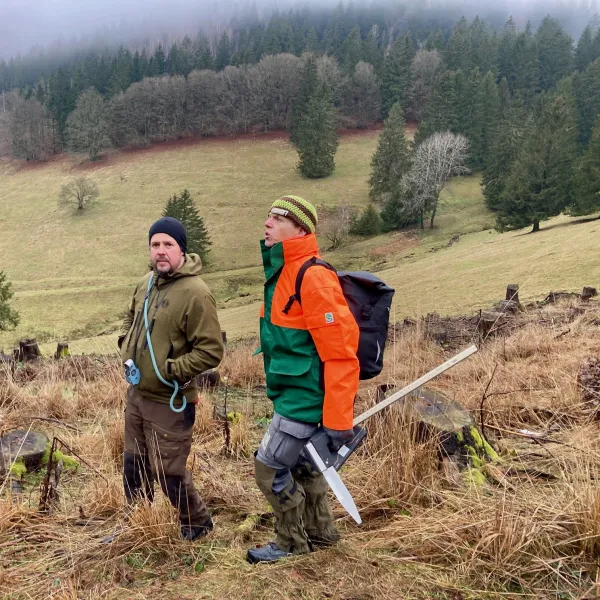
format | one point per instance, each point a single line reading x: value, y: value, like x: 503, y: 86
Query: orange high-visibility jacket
x: 310, y: 353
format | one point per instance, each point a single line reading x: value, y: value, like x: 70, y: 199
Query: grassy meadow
x: 73, y: 273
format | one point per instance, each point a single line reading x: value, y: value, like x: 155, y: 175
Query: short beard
x: 170, y: 271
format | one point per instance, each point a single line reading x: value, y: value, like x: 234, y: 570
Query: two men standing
x: 309, y: 346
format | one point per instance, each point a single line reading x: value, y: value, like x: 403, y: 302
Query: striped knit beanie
x: 303, y: 213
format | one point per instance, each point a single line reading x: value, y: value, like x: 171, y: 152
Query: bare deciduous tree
x: 337, y: 225
x: 276, y: 81
x: 330, y: 74
x: 30, y: 129
x: 437, y: 159
x: 203, y: 91
x: 236, y: 100
x: 81, y: 192
x: 363, y: 97
x: 87, y: 125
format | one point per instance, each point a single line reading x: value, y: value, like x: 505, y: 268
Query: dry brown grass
x: 204, y: 424
x: 241, y: 367
x: 526, y: 536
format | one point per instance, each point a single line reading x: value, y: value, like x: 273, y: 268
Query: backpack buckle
x: 367, y: 312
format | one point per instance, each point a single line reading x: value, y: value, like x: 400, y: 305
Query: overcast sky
x: 28, y: 23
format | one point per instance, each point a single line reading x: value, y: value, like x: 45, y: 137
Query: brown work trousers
x: 158, y: 437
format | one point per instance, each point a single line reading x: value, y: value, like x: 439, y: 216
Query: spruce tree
x: 587, y: 178
x: 435, y: 41
x: 391, y: 159
x: 223, y: 57
x: 317, y: 136
x: 160, y: 60
x: 371, y: 52
x: 9, y: 318
x: 586, y: 86
x: 308, y: 85
x: 367, y: 223
x: 312, y: 40
x: 396, y: 213
x: 352, y: 50
x: 396, y: 76
x: 540, y: 182
x: 504, y: 141
x: 490, y: 113
x: 457, y: 54
x: 555, y: 53
x: 525, y: 83
x: 484, y: 46
x: 584, y: 54
x: 183, y: 208
x: 474, y: 103
x: 507, y: 65
x: 441, y: 112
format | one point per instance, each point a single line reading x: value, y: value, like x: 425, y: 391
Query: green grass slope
x: 73, y: 274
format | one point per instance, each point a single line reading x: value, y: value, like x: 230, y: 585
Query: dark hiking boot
x: 190, y: 533
x: 269, y: 553
x: 323, y: 539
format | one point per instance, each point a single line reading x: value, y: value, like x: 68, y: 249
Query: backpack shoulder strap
x: 297, y: 295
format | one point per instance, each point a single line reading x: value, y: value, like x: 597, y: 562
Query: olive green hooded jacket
x: 184, y: 330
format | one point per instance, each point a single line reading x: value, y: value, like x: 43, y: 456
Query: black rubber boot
x: 269, y: 553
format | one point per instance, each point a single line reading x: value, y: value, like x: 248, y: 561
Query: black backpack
x: 369, y: 300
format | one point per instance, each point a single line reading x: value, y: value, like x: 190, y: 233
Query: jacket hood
x: 192, y: 266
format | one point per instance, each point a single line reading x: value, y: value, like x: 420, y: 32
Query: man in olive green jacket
x: 171, y: 334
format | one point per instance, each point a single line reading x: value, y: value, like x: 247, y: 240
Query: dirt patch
x: 398, y: 243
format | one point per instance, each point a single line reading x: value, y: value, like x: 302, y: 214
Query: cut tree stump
x: 490, y: 322
x: 208, y: 379
x: 62, y: 351
x: 459, y: 440
x: 21, y: 446
x: 512, y: 293
x: 588, y: 292
x: 27, y: 351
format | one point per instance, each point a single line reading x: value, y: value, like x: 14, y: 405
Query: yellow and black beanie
x: 303, y: 213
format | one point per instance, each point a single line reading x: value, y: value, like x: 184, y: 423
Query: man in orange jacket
x: 312, y: 372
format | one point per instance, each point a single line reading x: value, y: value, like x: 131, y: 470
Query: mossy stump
x: 452, y: 426
x: 22, y: 451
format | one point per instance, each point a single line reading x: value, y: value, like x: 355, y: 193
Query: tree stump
x: 62, y: 351
x: 27, y: 351
x: 490, y: 322
x: 208, y: 379
x: 509, y: 307
x: 24, y: 447
x: 512, y: 293
x: 588, y: 292
x: 453, y: 428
